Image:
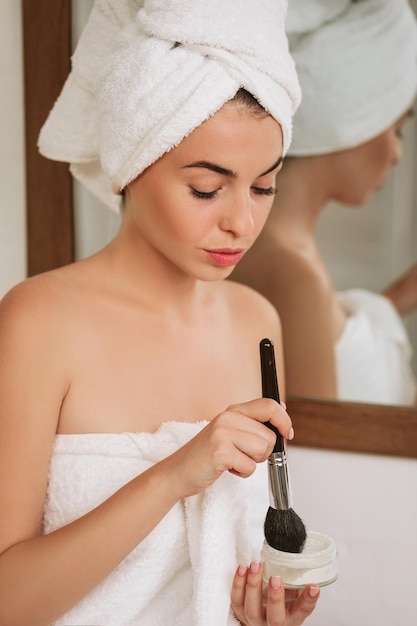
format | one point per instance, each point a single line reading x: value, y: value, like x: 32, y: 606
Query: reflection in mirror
x: 321, y: 264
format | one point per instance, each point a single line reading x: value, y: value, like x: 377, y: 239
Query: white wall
x: 12, y: 172
x: 368, y: 505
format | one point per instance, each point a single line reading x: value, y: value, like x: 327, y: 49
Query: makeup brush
x: 283, y: 529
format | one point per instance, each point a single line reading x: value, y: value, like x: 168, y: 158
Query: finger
x: 304, y: 605
x: 254, y: 610
x: 238, y: 591
x: 275, y: 605
x: 253, y: 445
x: 246, y: 434
x: 241, y: 465
x: 227, y: 453
x: 267, y: 410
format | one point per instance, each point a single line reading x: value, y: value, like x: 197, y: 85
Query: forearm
x: 403, y: 292
x: 42, y: 578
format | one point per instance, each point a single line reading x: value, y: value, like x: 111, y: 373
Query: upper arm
x: 403, y: 292
x: 32, y: 387
x: 304, y: 299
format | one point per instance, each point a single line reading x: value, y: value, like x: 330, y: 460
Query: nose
x: 238, y: 218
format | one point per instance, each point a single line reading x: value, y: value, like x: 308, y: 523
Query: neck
x: 139, y: 273
x: 303, y: 193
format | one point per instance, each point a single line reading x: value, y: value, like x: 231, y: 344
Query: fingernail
x: 275, y: 582
x: 255, y: 567
x: 241, y: 570
x: 284, y: 406
x: 291, y: 433
x: 314, y: 591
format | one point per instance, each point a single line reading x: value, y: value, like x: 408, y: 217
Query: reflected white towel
x: 147, y: 72
x: 373, y: 355
x: 181, y: 573
x: 357, y: 65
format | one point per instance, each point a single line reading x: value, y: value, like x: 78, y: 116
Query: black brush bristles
x: 283, y: 529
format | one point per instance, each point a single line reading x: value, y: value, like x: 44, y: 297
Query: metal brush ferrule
x: 279, y: 486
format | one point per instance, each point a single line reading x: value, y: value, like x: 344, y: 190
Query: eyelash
x: 209, y: 195
x: 202, y: 195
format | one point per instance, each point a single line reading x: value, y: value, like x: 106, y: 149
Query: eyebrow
x: 226, y: 172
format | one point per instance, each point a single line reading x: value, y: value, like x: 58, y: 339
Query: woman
x: 357, y: 66
x: 130, y: 406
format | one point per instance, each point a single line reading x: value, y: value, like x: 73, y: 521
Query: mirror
x: 363, y: 247
x: 50, y: 242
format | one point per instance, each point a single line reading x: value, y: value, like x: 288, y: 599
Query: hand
x: 235, y: 440
x: 257, y: 604
x: 403, y: 292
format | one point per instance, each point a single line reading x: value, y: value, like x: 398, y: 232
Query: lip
x: 225, y: 257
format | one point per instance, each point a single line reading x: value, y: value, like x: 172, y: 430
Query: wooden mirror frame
x: 46, y: 54
x: 351, y: 427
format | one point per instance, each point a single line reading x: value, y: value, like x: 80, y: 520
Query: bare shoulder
x: 36, y: 343
x: 35, y: 301
x: 284, y: 270
x: 301, y: 265
x: 251, y: 308
x: 34, y: 379
x: 252, y: 318
x: 37, y: 317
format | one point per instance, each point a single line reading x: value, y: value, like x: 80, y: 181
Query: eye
x: 399, y: 133
x: 261, y: 191
x: 204, y: 195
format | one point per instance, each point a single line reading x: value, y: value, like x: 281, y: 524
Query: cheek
x: 385, y: 152
x: 376, y: 162
x: 382, y: 154
x: 355, y: 181
x: 261, y: 216
x: 179, y: 218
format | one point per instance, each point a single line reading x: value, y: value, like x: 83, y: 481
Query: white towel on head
x: 357, y: 65
x: 147, y: 72
x: 181, y: 573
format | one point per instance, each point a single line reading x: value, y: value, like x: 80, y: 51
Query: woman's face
x: 202, y: 204
x: 363, y: 170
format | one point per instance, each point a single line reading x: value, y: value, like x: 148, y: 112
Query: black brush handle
x: 270, y: 384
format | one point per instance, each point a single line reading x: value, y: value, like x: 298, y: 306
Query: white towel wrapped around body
x: 147, y: 72
x: 375, y: 348
x: 180, y: 574
x: 357, y: 65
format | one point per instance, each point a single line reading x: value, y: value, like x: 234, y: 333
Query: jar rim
x: 319, y: 550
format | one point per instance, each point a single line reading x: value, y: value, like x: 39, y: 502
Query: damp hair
x: 245, y: 99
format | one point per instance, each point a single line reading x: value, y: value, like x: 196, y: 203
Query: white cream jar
x: 317, y: 563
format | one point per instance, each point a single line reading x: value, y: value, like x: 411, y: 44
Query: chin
x: 213, y: 274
